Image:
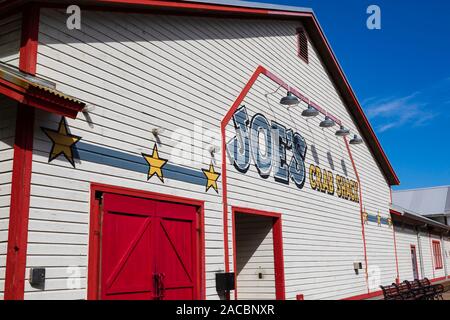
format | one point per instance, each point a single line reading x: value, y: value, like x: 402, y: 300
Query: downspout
x: 419, y: 244
x: 22, y: 163
x: 443, y: 251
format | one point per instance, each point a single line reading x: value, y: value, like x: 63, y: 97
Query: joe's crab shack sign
x: 266, y: 144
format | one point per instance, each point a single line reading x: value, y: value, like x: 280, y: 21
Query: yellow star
x: 212, y: 177
x: 155, y: 163
x: 63, y: 142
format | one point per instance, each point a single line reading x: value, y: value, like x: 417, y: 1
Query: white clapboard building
x: 192, y: 150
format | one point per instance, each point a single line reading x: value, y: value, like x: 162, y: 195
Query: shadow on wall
x: 104, y: 27
x: 315, y: 154
x: 330, y: 160
x: 251, y: 231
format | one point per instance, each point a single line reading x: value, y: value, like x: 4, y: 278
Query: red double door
x: 149, y: 250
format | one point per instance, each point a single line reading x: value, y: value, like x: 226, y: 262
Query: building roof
x: 426, y: 201
x: 227, y: 8
x: 416, y: 219
x: 257, y: 5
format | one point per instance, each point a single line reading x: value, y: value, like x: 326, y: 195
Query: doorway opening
x: 415, y: 268
x: 258, y: 255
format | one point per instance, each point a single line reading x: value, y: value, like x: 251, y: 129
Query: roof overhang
x: 35, y: 92
x: 402, y: 215
x: 232, y: 8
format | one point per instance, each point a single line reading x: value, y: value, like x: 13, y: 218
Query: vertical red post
x: 21, y: 176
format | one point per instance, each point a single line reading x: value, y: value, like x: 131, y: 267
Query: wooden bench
x: 419, y: 291
x: 391, y: 292
x: 415, y: 290
x: 435, y: 290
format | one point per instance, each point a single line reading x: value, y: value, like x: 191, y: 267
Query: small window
x: 437, y: 253
x: 302, y: 44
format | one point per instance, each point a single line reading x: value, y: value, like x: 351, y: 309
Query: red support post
x: 22, y: 163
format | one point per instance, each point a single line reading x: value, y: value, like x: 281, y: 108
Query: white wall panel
x: 142, y: 72
x: 405, y: 238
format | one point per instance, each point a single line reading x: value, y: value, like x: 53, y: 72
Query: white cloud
x: 392, y: 113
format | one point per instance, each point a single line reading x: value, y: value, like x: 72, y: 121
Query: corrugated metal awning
x: 37, y: 92
x: 416, y: 219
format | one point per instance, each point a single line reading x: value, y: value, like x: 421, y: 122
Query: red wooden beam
x: 22, y: 162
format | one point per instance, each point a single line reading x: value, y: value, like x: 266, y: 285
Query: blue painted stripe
x: 374, y: 218
x: 122, y: 160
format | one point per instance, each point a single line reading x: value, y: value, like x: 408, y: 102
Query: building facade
x: 148, y: 151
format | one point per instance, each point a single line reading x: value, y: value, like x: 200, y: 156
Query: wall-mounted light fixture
x: 213, y: 150
x: 327, y: 123
x: 289, y: 100
x: 311, y: 112
x: 88, y: 108
x: 157, y: 131
x: 342, y: 132
x: 356, y: 140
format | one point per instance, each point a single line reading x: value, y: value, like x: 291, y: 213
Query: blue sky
x: 401, y: 75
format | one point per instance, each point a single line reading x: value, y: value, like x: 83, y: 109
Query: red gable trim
x: 361, y: 118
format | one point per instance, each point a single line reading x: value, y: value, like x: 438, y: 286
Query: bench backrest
x: 423, y: 283
x: 390, y: 292
x: 403, y: 288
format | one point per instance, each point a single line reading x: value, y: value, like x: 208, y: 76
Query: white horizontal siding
x: 446, y: 255
x: 405, y: 237
x: 142, y: 72
x: 10, y: 33
x: 7, y: 133
x: 255, y: 254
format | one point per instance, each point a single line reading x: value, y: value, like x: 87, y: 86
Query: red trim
x: 438, y: 279
x: 94, y: 267
x: 277, y: 248
x: 365, y: 296
x: 438, y: 258
x: 22, y: 163
x: 363, y: 229
x: 233, y: 224
x: 279, y: 259
x: 29, y: 40
x: 395, y: 212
